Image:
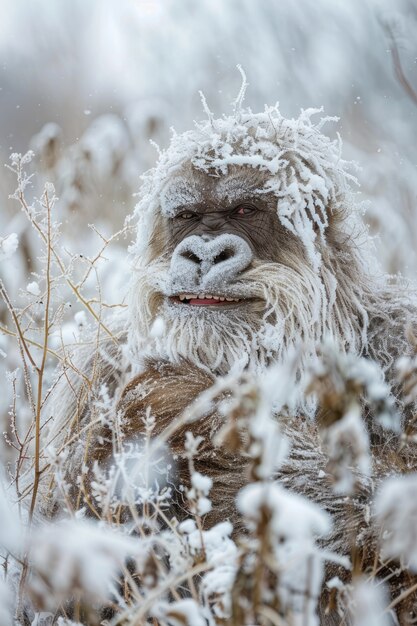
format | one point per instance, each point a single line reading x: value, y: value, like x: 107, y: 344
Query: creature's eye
x: 185, y: 215
x: 244, y: 210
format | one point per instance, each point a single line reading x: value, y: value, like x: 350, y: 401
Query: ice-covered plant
x: 396, y: 510
x: 368, y: 603
x: 353, y: 400
x: 79, y: 560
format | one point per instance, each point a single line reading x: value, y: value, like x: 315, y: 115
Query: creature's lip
x: 204, y: 299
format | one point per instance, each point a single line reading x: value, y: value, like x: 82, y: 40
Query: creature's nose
x: 204, y: 262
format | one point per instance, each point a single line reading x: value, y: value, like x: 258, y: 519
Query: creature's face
x: 242, y: 248
x: 233, y: 285
x: 231, y: 205
x: 218, y: 228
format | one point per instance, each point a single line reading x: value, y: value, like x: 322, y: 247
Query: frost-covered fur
x: 355, y: 532
x: 301, y: 309
x: 320, y: 285
x: 323, y: 283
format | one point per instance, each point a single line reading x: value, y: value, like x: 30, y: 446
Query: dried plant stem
x: 61, y: 265
x: 19, y: 333
x: 99, y: 255
x: 401, y: 597
x: 27, y: 341
x: 173, y: 582
x: 271, y: 615
x: 24, y: 352
x: 41, y: 369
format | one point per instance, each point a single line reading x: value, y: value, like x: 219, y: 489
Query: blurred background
x: 87, y: 84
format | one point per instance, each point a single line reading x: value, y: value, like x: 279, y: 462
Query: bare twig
x: 41, y: 369
x: 398, y: 68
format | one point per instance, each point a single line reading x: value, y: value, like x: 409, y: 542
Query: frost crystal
x: 201, y: 483
x: 49, y: 189
x: 305, y: 170
x: 292, y: 524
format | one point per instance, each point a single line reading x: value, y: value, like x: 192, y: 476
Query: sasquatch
x: 248, y: 250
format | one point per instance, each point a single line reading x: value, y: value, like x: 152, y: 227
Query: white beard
x: 215, y: 340
x: 298, y: 310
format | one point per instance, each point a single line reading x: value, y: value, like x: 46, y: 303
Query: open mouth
x: 204, y: 299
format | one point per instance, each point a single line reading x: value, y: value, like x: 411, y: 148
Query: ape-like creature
x: 249, y: 249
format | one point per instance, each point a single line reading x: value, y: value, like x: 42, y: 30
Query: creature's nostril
x: 204, y: 261
x: 191, y: 256
x: 223, y: 256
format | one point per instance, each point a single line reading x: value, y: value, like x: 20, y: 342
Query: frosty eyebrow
x: 178, y: 195
x: 236, y: 187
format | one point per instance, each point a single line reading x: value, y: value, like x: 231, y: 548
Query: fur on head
x: 312, y: 284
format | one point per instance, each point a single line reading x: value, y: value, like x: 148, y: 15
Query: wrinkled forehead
x: 193, y: 187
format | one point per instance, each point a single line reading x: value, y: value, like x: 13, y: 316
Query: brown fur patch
x: 168, y: 390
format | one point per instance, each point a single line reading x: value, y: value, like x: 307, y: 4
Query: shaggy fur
x: 304, y: 471
x: 315, y: 284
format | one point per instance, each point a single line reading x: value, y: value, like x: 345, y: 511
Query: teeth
x: 202, y: 296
